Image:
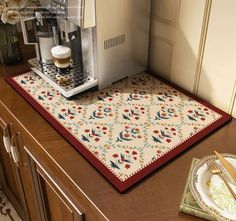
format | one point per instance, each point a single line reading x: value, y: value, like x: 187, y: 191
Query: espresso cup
x: 61, y: 56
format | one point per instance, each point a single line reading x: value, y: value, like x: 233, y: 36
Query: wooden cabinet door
x: 16, y: 178
x: 30, y: 198
x: 55, y: 202
x: 10, y: 178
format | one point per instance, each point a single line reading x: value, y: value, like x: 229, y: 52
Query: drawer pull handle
x: 6, y: 138
x: 15, y: 152
x: 7, y: 143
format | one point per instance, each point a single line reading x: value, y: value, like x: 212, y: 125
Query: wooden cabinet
x: 59, y: 199
x: 55, y: 204
x: 36, y: 187
x: 59, y: 208
x: 16, y: 179
x: 34, y: 194
x: 11, y: 179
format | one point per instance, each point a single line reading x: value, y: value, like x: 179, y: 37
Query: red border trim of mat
x: 122, y: 186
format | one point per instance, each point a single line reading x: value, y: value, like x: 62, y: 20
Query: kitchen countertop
x: 157, y: 197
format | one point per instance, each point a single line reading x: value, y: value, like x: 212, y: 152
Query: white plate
x: 210, y: 191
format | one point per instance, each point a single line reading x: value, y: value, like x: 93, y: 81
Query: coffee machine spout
x: 26, y: 38
x: 45, y: 36
x: 66, y: 32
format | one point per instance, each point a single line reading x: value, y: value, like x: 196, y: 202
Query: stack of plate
x: 210, y: 191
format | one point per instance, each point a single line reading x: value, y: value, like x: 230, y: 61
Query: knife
x: 230, y: 169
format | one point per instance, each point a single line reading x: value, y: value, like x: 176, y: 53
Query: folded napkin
x: 189, y: 205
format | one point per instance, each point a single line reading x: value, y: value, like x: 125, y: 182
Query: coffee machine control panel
x: 80, y: 12
x: 59, y: 7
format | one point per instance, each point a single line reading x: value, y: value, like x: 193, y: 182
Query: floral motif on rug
x: 128, y: 129
x: 7, y: 212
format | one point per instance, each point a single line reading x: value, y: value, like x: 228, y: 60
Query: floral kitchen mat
x: 127, y: 130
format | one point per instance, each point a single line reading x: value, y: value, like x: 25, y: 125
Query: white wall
x: 193, y: 44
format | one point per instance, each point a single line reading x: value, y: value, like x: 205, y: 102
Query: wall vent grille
x: 110, y: 43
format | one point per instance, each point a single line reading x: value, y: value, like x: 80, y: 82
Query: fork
x: 215, y: 169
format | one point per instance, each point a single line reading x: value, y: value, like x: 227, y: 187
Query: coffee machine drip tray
x: 81, y: 81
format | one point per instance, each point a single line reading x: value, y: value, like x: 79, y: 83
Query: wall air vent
x: 112, y: 42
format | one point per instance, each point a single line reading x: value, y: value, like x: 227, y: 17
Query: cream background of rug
x: 193, y: 44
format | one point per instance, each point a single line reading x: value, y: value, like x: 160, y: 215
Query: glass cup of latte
x: 61, y: 56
